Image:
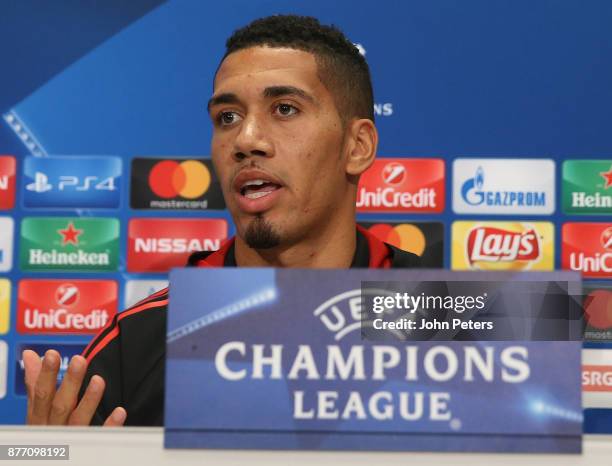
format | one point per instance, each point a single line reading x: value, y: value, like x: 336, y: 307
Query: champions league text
x: 368, y: 366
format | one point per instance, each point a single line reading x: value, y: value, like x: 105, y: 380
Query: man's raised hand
x: 48, y: 406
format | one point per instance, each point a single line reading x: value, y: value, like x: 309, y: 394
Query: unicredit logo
x: 67, y: 294
x: 53, y: 306
x: 587, y: 248
x: 394, y: 173
x: 606, y: 238
x: 497, y: 245
x: 402, y: 185
x: 189, y: 179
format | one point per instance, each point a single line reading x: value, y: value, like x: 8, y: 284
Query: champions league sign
x: 280, y: 359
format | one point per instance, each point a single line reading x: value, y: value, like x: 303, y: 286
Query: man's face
x: 277, y: 145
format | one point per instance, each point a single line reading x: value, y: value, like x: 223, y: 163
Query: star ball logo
x: 174, y: 184
x: 425, y: 239
x: 402, y: 185
x: 72, y: 182
x: 502, y: 246
x: 66, y: 307
x: 7, y: 182
x: 158, y: 244
x: 69, y: 244
x: 587, y: 187
x: 587, y: 248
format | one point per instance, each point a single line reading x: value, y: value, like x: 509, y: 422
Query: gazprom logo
x: 474, y: 192
x: 471, y: 191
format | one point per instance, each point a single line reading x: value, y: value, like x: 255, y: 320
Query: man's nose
x: 252, y: 139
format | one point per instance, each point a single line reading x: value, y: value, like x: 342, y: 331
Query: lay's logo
x: 496, y: 245
x: 502, y: 246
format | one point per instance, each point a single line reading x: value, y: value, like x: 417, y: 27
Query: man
x: 292, y: 111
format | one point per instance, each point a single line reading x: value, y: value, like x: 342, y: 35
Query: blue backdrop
x: 476, y: 78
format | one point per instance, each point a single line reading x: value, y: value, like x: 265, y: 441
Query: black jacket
x: 129, y: 352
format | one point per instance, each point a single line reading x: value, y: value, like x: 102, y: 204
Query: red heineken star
x: 608, y: 177
x: 70, y: 235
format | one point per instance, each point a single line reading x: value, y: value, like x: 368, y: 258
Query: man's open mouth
x: 254, y: 189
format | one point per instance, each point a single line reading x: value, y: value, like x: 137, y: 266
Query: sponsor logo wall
x: 85, y: 237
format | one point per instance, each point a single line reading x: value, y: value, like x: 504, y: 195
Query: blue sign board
x: 72, y: 182
x: 276, y: 359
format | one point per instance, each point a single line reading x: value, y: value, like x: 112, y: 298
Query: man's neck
x: 333, y: 247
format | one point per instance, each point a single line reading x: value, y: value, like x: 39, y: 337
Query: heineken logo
x: 72, y: 244
x: 587, y: 187
x: 70, y: 235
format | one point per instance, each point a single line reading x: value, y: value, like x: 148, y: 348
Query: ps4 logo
x: 41, y: 183
x: 72, y: 182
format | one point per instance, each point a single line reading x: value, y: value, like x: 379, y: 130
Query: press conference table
x: 95, y: 446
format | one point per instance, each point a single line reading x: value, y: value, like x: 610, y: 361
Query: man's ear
x: 361, y: 147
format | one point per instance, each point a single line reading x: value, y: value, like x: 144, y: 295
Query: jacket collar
x: 370, y: 252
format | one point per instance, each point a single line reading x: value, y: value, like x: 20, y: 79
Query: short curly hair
x: 341, y: 68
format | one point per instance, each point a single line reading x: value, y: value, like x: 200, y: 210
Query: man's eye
x: 228, y: 118
x: 286, y: 109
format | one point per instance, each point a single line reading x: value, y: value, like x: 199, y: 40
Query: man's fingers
x: 32, y: 365
x: 44, y: 389
x: 83, y: 413
x: 117, y: 418
x: 66, y: 397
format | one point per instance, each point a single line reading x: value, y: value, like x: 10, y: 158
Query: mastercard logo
x: 404, y: 236
x: 189, y: 179
x: 598, y: 309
